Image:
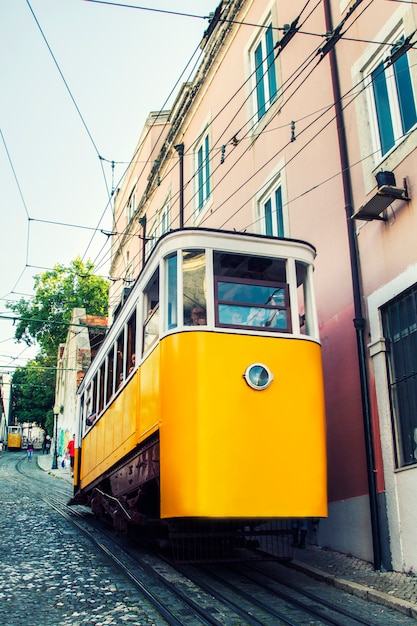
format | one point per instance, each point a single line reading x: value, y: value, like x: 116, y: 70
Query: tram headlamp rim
x: 250, y: 381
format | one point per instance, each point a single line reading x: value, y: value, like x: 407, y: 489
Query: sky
x: 78, y: 79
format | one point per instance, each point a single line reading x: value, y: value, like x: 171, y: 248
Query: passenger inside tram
x: 198, y: 316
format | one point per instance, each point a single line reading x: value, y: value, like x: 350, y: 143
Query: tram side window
x: 102, y: 376
x: 90, y: 405
x: 171, y: 317
x: 151, y: 303
x: 194, y: 290
x: 110, y: 374
x: 94, y: 395
x: 131, y: 342
x: 251, y: 292
x: 305, y: 312
x: 119, y: 359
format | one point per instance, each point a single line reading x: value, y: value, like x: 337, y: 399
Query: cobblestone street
x: 50, y: 574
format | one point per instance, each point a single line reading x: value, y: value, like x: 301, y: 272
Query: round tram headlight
x: 258, y: 376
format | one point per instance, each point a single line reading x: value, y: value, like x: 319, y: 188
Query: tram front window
x: 251, y: 292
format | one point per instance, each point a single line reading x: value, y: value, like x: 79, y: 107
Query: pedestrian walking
x: 47, y: 444
x: 71, y: 451
x: 30, y: 449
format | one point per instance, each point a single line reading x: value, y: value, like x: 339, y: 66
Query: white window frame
x: 269, y: 99
x: 268, y: 191
x: 164, y: 217
x: 393, y: 98
x: 131, y: 206
x: 202, y: 171
x: 400, y: 23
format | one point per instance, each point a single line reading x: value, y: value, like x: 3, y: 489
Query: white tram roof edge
x: 205, y: 238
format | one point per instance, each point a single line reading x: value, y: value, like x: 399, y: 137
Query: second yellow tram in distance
x: 204, y: 408
x: 14, y: 437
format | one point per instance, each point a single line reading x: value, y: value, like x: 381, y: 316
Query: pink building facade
x: 282, y: 131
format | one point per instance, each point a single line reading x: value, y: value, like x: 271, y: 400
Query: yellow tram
x: 14, y: 437
x: 205, y: 404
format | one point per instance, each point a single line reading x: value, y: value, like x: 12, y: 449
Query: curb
x: 58, y: 473
x: 366, y: 593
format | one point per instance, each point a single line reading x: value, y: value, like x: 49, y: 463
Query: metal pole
x: 55, y: 459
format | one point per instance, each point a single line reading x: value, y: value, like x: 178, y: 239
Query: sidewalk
x: 45, y: 461
x: 391, y: 589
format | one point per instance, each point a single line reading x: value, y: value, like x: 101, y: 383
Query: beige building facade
x: 294, y: 110
x: 85, y: 334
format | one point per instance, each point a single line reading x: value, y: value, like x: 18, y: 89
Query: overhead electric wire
x: 77, y: 109
x: 74, y: 99
x: 187, y: 183
x: 63, y: 79
x: 224, y: 108
x: 156, y: 117
x: 235, y: 93
x: 14, y: 173
x: 141, y: 8
x: 207, y: 217
x: 311, y: 57
x: 159, y: 113
x: 282, y: 93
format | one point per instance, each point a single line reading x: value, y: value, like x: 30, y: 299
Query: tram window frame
x: 194, y: 296
x: 110, y: 375
x: 250, y: 310
x: 131, y: 343
x: 304, y: 299
x: 171, y: 291
x: 252, y: 273
x: 90, y: 403
x: 150, y: 328
x: 94, y: 396
x: 102, y: 383
x: 120, y: 350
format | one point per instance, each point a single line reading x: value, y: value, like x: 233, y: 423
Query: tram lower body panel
x: 189, y: 442
x: 228, y: 450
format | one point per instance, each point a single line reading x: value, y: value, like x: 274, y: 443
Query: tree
x: 33, y: 392
x: 44, y: 318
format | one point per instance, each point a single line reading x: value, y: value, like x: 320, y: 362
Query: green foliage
x: 44, y: 319
x: 33, y: 392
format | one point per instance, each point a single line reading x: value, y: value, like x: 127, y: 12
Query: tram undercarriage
x: 129, y: 495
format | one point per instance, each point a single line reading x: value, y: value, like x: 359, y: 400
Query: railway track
x: 184, y: 595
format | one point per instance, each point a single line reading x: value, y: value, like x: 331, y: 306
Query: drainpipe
x: 359, y: 321
x: 180, y: 149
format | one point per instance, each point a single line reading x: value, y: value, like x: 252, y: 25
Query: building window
x: 270, y: 211
x: 202, y: 169
x: 264, y: 72
x: 164, y: 219
x: 159, y: 227
x: 131, y: 207
x: 399, y: 319
x: 393, y: 101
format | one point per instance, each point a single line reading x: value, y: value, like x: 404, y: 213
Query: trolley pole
x: 55, y: 459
